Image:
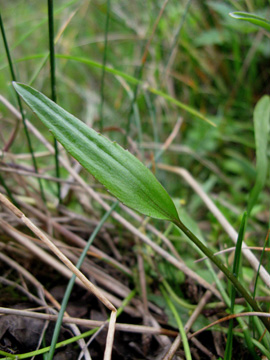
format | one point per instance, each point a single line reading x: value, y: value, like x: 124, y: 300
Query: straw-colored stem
x: 57, y: 252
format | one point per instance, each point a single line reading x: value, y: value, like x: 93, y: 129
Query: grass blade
x: 179, y: 323
x: 130, y: 79
x: 9, y: 193
x: 13, y: 76
x: 236, y: 264
x: 53, y: 86
x: 134, y: 80
x: 72, y: 281
x: 139, y: 72
x: 251, y: 18
x: 261, y: 129
x: 104, y: 63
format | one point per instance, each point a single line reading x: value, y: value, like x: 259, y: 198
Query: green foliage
x: 251, y: 18
x: 236, y: 267
x: 121, y: 173
x: 117, y: 169
x: 218, y: 73
x: 261, y: 130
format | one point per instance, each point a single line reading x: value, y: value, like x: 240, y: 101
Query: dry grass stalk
x: 74, y: 238
x: 73, y: 268
x: 41, y: 290
x: 110, y: 336
x: 56, y: 251
x: 138, y: 329
x: 254, y: 262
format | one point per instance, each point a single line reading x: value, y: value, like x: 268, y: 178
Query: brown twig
x: 139, y: 329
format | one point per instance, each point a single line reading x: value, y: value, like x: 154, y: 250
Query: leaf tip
x: 16, y: 85
x: 233, y: 15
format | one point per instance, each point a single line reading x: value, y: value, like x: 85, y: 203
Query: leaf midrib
x: 93, y: 134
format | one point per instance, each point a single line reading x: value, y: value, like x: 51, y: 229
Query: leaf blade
x: 117, y: 169
x: 251, y: 18
x: 261, y: 118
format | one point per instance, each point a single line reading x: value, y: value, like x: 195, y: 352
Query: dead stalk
x: 110, y: 336
x: 69, y: 264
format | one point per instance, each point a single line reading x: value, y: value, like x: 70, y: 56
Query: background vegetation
x: 160, y: 57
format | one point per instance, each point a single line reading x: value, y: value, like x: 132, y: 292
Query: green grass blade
x: 255, y: 342
x: 152, y: 114
x: 68, y: 341
x: 261, y: 129
x: 72, y: 282
x: 138, y: 77
x: 251, y: 18
x: 104, y: 64
x: 133, y: 80
x: 177, y: 299
x: 46, y: 349
x: 53, y: 87
x: 117, y: 169
x: 176, y: 37
x: 133, y: 112
x: 236, y: 265
x: 13, y: 76
x: 9, y: 193
x: 179, y: 323
x: 35, y: 27
x: 127, y: 77
x: 257, y: 324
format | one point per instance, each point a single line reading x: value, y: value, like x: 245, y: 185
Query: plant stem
x: 72, y: 281
x: 238, y: 286
x: 179, y: 323
x: 53, y: 87
x: 103, y: 64
x: 13, y: 76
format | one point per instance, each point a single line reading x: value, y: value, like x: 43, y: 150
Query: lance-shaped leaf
x: 251, y: 18
x: 261, y: 119
x: 117, y: 169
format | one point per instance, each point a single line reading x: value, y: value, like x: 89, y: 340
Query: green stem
x: 129, y: 78
x: 53, y: 87
x: 13, y: 76
x: 223, y: 268
x: 179, y: 323
x: 72, y: 281
x: 104, y: 63
x: 9, y: 193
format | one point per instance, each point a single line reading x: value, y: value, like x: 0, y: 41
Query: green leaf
x: 253, y: 19
x: 117, y: 169
x: 261, y: 119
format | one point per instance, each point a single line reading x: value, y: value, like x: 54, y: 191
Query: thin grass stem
x: 179, y: 323
x: 236, y: 266
x: 13, y: 76
x: 72, y: 281
x: 53, y: 86
x: 9, y: 193
x: 139, y: 72
x: 172, y: 49
x: 129, y: 78
x: 104, y: 64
